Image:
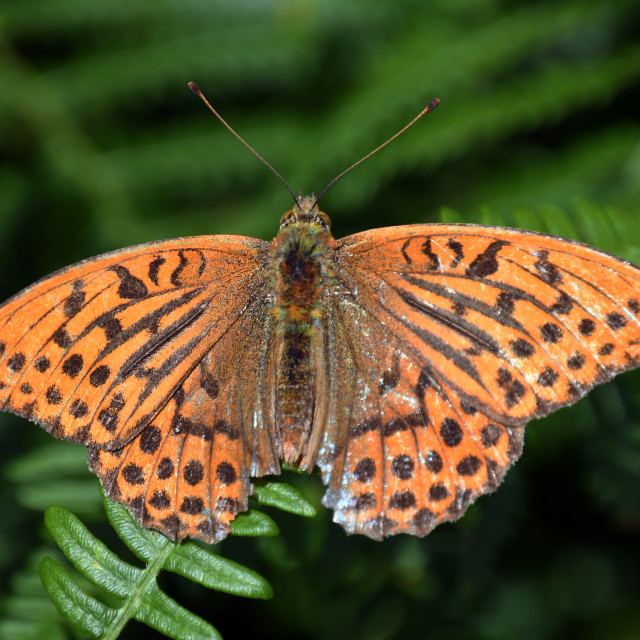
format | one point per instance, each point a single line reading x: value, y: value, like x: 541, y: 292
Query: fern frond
x: 135, y: 588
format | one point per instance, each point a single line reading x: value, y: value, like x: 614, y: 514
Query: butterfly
x: 403, y: 362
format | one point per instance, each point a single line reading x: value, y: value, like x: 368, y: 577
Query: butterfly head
x: 306, y: 211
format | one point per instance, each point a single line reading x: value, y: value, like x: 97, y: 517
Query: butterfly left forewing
x: 93, y: 351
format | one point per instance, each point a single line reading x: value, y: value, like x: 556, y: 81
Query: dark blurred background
x: 103, y: 146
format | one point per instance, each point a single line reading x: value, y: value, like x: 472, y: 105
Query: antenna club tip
x: 195, y: 88
x: 433, y: 104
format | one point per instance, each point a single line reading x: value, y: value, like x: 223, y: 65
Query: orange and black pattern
x: 404, y: 362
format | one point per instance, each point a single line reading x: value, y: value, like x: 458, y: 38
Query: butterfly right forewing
x: 518, y: 323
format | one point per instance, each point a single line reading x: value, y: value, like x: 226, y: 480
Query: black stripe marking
x: 458, y: 324
x: 486, y: 263
x: 159, y: 340
x: 473, y: 303
x: 175, y: 275
x: 434, y: 261
x: 154, y: 268
x: 456, y: 247
x: 404, y: 251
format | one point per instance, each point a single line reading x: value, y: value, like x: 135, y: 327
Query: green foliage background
x: 103, y: 146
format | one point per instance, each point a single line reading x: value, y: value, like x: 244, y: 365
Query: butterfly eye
x: 287, y: 218
x: 324, y: 219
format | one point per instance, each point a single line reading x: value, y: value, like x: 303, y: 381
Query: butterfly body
x: 403, y: 362
x: 301, y: 259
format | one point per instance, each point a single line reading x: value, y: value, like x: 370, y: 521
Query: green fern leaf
x: 135, y: 588
x: 187, y: 559
x: 283, y: 496
x: 254, y: 523
x: 80, y: 609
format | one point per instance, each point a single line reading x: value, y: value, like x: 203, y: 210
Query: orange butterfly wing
x: 449, y: 338
x: 432, y: 346
x: 129, y: 354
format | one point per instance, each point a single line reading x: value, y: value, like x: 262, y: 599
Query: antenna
x: 196, y: 89
x: 430, y: 107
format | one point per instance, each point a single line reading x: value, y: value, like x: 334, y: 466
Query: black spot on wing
x: 365, y: 470
x: 402, y: 467
x: 192, y: 505
x: 73, y: 303
x: 99, y: 375
x: 111, y: 325
x: 606, y: 349
x: 586, y: 326
x: 615, y: 320
x: 402, y: 500
x: 486, y: 263
x: 226, y: 473
x: 551, y: 332
x: 150, y: 439
x: 160, y: 500
x: 79, y: 408
x: 165, y: 469
x: 73, y: 365
x: 458, y: 253
x: 547, y: 271
x: 197, y: 428
x: 61, y: 338
x: 193, y: 472
x: 42, y: 364
x: 451, y: 432
x: 563, y: 305
x: 433, y: 461
x: 131, y: 287
x: 16, y: 362
x: 505, y: 303
x: 513, y: 389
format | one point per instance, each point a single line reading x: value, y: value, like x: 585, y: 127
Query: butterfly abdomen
x: 301, y: 270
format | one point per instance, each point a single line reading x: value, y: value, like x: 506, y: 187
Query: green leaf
x: 80, y: 609
x: 90, y: 556
x: 135, y: 588
x: 283, y: 496
x: 254, y: 523
x: 188, y: 558
x: 141, y: 598
x: 210, y: 570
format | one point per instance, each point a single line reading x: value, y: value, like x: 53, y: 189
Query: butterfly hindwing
x: 188, y: 472
x: 414, y: 454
